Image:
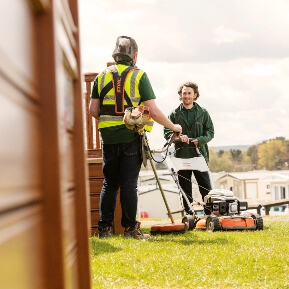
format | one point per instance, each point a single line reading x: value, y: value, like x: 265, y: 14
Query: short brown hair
x: 193, y: 85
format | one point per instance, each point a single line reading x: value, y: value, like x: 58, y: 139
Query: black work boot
x: 135, y: 233
x: 104, y: 232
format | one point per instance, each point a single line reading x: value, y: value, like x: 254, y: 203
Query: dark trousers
x: 203, y: 180
x: 121, y: 166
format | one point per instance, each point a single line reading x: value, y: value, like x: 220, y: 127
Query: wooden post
x: 88, y: 78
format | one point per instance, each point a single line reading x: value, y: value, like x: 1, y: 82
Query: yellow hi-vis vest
x: 115, y: 98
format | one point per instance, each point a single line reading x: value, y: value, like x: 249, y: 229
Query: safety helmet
x: 125, y: 48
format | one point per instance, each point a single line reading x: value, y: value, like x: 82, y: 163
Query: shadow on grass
x: 100, y: 247
x: 219, y: 241
x: 187, y: 241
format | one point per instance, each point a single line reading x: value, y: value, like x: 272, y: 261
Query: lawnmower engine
x: 224, y: 203
x: 227, y: 212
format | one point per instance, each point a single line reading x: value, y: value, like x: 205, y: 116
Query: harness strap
x: 119, y: 91
x: 105, y: 91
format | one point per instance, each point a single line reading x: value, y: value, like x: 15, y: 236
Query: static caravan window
x: 283, y: 192
x: 276, y: 192
x: 279, y: 192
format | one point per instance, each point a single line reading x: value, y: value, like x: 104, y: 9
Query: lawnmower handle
x: 190, y: 139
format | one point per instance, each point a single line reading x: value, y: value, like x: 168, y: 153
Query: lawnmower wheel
x: 213, y: 224
x: 258, y: 221
x: 189, y: 222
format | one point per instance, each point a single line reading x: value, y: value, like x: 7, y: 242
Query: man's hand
x: 177, y: 128
x: 185, y: 138
x: 195, y: 141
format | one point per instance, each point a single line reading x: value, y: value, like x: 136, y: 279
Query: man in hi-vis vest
x: 118, y: 87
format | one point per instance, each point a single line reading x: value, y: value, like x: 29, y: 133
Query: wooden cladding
x: 95, y: 184
x: 95, y: 170
x: 44, y: 216
x: 21, y: 208
x: 21, y: 248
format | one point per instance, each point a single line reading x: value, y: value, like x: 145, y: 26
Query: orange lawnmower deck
x: 213, y: 223
x: 237, y: 223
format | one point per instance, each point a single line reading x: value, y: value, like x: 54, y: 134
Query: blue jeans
x: 121, y: 167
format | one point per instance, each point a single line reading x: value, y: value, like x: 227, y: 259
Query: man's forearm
x: 158, y: 115
x: 94, y: 108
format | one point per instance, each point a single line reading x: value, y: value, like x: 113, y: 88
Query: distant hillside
x: 227, y: 148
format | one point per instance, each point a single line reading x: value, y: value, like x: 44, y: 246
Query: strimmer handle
x: 173, y: 137
x: 168, y: 143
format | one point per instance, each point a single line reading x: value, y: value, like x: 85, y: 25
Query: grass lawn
x: 196, y: 259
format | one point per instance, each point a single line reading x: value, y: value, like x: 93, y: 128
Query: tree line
x: 272, y: 154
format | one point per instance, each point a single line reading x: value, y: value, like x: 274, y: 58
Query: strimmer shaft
x: 157, y: 178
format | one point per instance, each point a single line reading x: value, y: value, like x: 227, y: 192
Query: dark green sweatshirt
x: 196, y: 123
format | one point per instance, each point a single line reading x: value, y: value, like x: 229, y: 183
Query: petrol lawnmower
x: 224, y: 211
x: 227, y: 212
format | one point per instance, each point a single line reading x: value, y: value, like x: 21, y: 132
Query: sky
x: 237, y: 51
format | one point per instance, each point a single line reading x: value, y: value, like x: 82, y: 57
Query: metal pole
x: 157, y: 178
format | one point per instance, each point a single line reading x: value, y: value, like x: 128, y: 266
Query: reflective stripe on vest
x: 131, y: 87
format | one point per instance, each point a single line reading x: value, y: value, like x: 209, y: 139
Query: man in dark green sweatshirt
x: 197, y: 131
